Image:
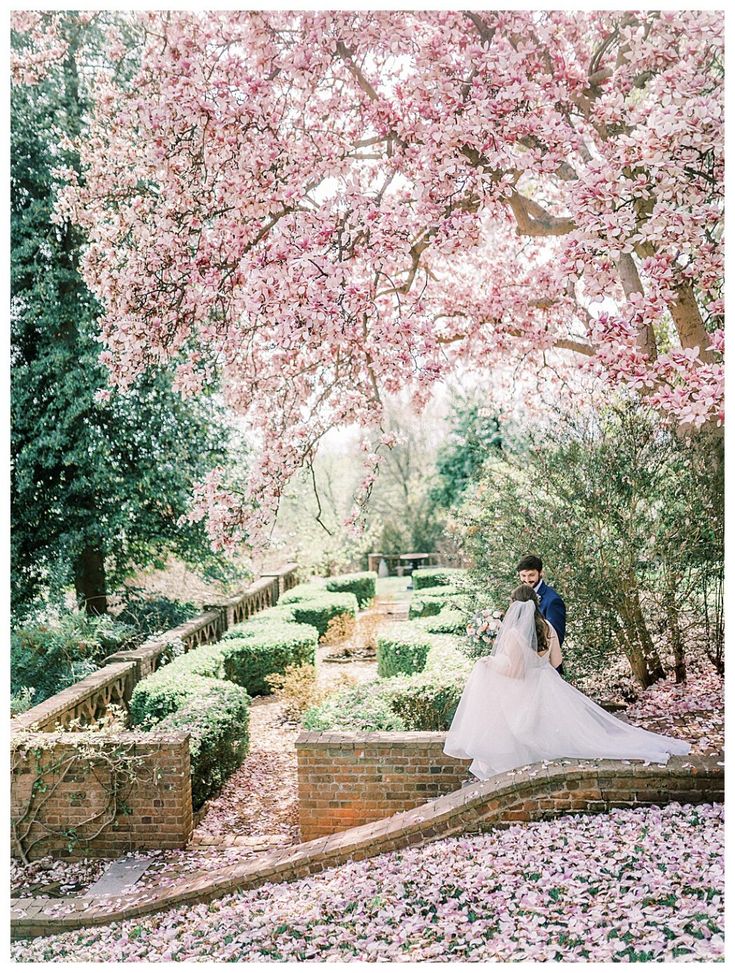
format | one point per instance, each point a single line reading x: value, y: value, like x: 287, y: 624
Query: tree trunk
x: 653, y: 660
x: 89, y: 581
x: 677, y: 641
x: 633, y: 654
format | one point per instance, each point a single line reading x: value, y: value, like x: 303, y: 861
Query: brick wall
x: 351, y: 779
x: 348, y: 779
x: 536, y: 793
x: 154, y: 809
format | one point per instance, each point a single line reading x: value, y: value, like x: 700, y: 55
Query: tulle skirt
x: 502, y: 723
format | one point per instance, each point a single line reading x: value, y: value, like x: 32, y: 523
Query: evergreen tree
x: 96, y: 488
x: 473, y: 437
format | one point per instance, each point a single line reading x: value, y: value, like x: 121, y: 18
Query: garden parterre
x: 643, y: 884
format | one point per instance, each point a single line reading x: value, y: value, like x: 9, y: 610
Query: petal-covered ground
x: 643, y: 884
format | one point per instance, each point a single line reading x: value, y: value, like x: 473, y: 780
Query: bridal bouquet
x: 482, y: 630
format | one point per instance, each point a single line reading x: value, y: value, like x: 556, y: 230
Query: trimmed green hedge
x: 278, y: 615
x: 433, y: 577
x: 218, y: 723
x: 302, y: 592
x: 361, y: 707
x: 360, y: 583
x: 431, y: 602
x: 426, y: 704
x: 320, y: 611
x: 265, y: 650
x: 449, y: 621
x: 402, y: 649
x: 425, y: 700
x: 175, y: 685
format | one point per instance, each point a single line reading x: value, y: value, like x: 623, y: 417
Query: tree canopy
x: 331, y: 206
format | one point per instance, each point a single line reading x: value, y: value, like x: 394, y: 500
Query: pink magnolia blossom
x: 330, y: 206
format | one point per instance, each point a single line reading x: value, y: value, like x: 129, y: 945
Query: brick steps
x: 537, y: 792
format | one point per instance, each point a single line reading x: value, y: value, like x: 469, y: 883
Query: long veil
x: 515, y: 653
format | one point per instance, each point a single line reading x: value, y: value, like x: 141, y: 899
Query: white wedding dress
x: 517, y: 710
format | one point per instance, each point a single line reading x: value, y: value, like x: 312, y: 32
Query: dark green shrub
x: 278, y: 615
x: 49, y: 657
x: 207, y: 660
x: 426, y: 704
x: 163, y: 693
x: 426, y: 700
x: 361, y: 708
x: 402, y: 649
x: 249, y: 659
x: 449, y: 621
x: 306, y: 591
x: 431, y: 601
x: 360, y: 583
x: 435, y: 577
x: 149, y: 616
x: 320, y: 611
x: 218, y: 724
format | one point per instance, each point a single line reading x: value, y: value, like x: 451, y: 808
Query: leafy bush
x: 449, y: 621
x: 431, y: 602
x: 218, y: 723
x: 149, y: 616
x: 428, y: 699
x: 363, y: 708
x: 50, y: 657
x: 340, y: 629
x: 426, y: 704
x: 402, y: 649
x: 314, y: 605
x: 360, y: 583
x: 425, y: 700
x: 319, y: 612
x: 164, y: 692
x: 278, y: 615
x: 21, y: 701
x: 436, y: 577
x: 265, y: 650
x: 298, y: 689
x: 306, y: 591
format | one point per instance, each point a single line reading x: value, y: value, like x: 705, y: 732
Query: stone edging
x: 536, y: 792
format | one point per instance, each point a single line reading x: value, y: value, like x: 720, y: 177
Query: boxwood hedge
x: 306, y: 591
x: 425, y: 700
x: 362, y: 707
x: 174, y: 685
x: 402, y: 649
x: 266, y: 649
x: 433, y: 577
x: 360, y: 583
x: 449, y: 621
x: 218, y: 723
x: 320, y: 607
x: 432, y: 601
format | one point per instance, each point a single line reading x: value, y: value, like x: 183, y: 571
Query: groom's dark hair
x: 530, y: 563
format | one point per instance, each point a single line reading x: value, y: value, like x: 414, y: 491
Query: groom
x: 551, y: 606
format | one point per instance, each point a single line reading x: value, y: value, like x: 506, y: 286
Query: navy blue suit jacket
x: 554, y: 611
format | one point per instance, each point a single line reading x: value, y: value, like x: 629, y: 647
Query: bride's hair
x: 524, y: 592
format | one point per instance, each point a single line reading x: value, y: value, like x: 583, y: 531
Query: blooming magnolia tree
x: 326, y: 207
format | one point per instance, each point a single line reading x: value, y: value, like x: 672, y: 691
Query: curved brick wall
x: 530, y: 794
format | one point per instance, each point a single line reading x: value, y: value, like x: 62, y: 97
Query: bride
x: 516, y: 710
